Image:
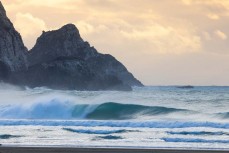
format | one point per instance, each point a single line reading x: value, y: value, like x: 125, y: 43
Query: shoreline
x: 61, y: 149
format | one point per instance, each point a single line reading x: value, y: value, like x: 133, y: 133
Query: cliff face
x: 60, y: 59
x: 12, y: 50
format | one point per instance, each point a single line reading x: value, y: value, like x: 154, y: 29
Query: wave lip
x: 95, y: 131
x: 194, y: 140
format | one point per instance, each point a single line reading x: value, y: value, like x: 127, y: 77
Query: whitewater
x: 151, y: 116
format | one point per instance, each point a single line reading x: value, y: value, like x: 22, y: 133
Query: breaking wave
x: 55, y: 109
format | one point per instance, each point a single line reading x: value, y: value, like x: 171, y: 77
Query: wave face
x: 65, y: 110
x: 117, y: 111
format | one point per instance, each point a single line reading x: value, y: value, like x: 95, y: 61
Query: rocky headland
x: 60, y: 59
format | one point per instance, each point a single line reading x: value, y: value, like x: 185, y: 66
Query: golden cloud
x: 29, y: 26
x: 221, y: 35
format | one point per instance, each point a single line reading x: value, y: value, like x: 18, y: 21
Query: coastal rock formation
x: 60, y: 59
x: 12, y: 50
x: 62, y: 54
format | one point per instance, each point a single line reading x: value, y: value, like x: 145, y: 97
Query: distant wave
x: 224, y: 115
x: 194, y: 140
x: 56, y: 109
x: 8, y: 136
x: 108, y: 137
x: 197, y: 133
x: 137, y: 124
x: 89, y: 131
x: 185, y: 87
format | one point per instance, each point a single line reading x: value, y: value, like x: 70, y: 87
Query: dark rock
x: 12, y: 50
x: 68, y: 62
x: 60, y: 59
x: 186, y: 87
x: 66, y: 73
x: 65, y: 42
x: 105, y: 64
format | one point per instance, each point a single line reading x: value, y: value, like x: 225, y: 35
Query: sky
x: 162, y: 42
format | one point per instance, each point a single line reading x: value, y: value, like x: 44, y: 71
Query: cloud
x: 213, y: 16
x: 85, y: 28
x: 185, y: 28
x: 207, y: 36
x: 29, y: 26
x: 38, y: 2
x: 165, y: 39
x: 214, y: 8
x: 220, y: 35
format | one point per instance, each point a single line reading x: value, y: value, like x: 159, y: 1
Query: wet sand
x: 99, y: 150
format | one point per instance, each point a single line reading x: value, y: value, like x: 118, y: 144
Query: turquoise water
x: 158, y: 116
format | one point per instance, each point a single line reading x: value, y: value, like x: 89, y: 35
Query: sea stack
x: 60, y: 59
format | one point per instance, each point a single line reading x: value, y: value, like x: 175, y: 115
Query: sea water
x: 151, y: 116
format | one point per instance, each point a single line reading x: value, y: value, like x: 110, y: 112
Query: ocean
x: 147, y: 117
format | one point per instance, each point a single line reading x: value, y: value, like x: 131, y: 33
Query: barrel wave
x: 117, y: 111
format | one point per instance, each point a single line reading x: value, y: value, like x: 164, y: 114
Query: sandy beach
x: 99, y: 150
